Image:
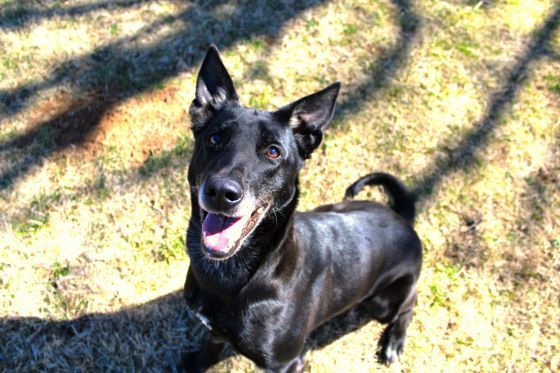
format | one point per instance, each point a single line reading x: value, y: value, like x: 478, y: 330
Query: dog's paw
x: 391, y: 354
x: 392, y: 351
x: 190, y: 363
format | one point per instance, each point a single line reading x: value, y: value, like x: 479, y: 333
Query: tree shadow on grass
x: 386, y: 65
x: 467, y: 249
x: 19, y: 14
x: 119, y: 70
x: 79, y: 120
x: 150, y: 336
x: 464, y: 155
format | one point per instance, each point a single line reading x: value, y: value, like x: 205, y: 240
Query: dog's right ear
x: 309, y: 116
x: 213, y: 88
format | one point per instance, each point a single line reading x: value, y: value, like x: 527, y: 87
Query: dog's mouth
x: 223, y: 234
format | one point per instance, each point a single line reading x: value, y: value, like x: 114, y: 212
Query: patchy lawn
x: 459, y: 98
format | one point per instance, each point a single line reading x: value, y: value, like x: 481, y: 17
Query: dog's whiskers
x: 275, y: 216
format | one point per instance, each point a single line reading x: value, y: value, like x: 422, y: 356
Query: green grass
x: 114, y: 30
x: 92, y: 230
x: 164, y: 159
x: 553, y: 82
x: 60, y: 270
x: 13, y: 11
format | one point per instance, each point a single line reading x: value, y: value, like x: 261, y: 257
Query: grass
x: 458, y: 98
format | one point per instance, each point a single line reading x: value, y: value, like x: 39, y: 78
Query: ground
x: 459, y: 98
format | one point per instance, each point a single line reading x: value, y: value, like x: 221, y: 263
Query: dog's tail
x: 402, y: 201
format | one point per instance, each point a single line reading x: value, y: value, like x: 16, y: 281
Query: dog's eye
x: 272, y: 152
x: 215, y: 139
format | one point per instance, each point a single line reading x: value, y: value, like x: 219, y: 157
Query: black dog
x: 263, y: 276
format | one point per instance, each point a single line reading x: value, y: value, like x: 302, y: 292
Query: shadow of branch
x: 19, y: 15
x: 464, y: 155
x: 115, y: 72
x: 147, y: 336
x: 386, y: 65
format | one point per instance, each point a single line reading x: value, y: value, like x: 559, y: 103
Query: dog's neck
x: 228, y: 277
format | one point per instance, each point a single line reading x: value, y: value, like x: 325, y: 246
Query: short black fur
x: 291, y: 271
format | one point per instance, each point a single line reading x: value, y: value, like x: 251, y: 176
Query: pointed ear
x: 213, y: 88
x: 309, y: 116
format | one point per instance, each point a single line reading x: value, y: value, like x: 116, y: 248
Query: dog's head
x: 245, y: 161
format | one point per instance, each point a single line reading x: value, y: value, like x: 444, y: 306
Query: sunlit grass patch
x: 156, y: 162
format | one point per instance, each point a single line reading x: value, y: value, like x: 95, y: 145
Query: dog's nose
x: 223, y: 193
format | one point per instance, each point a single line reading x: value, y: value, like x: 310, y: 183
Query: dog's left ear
x: 309, y: 116
x: 213, y: 88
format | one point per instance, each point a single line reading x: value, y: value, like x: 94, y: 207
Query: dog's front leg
x: 210, y: 353
x: 191, y: 290
x: 200, y: 360
x: 393, y: 338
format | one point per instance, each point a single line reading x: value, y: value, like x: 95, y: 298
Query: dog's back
x: 368, y: 245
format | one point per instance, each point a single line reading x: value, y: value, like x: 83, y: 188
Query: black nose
x: 223, y: 194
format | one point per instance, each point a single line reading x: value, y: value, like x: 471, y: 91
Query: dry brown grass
x: 458, y: 98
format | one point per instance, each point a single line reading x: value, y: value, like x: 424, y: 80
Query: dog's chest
x: 240, y: 322
x: 218, y: 317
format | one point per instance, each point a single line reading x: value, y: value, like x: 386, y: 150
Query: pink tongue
x: 221, y: 232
